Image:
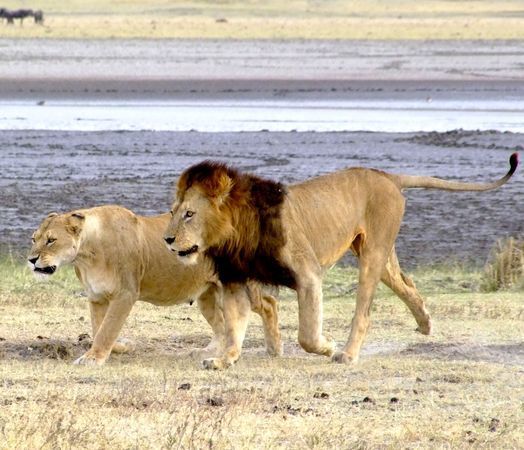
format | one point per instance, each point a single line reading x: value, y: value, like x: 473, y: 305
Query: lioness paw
x: 343, y: 358
x: 275, y: 349
x: 215, y: 364
x: 89, y: 360
x: 123, y: 346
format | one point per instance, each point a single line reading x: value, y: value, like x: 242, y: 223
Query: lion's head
x: 55, y: 242
x: 201, y: 213
x: 234, y: 218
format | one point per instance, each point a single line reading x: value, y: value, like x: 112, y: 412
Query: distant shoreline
x: 43, y: 69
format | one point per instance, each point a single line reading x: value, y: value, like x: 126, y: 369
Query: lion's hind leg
x: 402, y: 285
x: 371, y: 265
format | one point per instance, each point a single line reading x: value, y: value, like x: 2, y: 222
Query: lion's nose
x: 33, y: 260
x: 169, y: 240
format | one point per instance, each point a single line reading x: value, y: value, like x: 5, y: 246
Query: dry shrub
x: 505, y: 267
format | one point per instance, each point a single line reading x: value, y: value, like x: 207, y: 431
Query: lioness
x: 120, y: 258
x: 256, y: 229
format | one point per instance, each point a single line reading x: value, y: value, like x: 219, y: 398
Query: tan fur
x: 321, y: 219
x: 120, y: 258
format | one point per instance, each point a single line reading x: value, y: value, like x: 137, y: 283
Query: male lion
x: 120, y: 258
x: 256, y: 229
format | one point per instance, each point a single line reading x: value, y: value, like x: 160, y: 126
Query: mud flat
x: 46, y: 171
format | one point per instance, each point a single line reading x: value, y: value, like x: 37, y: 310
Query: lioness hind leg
x: 236, y: 308
x: 407, y: 291
x: 209, y: 305
x: 266, y: 306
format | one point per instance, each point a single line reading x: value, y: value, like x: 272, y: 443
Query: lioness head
x: 55, y: 242
x: 201, y: 213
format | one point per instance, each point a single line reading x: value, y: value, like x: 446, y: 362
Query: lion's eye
x: 50, y: 241
x: 33, y: 240
x: 189, y: 214
x: 172, y: 213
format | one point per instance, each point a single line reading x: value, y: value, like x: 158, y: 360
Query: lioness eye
x: 50, y: 241
x: 189, y: 214
x: 33, y: 240
x: 172, y: 213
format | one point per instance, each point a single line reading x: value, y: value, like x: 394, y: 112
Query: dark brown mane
x: 254, y: 207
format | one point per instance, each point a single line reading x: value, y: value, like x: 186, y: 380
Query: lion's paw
x: 88, y: 360
x: 425, y: 328
x: 342, y: 358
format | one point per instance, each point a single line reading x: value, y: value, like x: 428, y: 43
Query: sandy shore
x: 44, y: 68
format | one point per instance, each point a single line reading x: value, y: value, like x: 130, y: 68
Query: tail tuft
x: 513, y: 162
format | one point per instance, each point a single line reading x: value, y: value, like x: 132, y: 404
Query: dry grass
x: 505, y: 269
x: 275, y: 19
x: 461, y: 387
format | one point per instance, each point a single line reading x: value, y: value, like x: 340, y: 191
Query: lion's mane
x: 248, y: 212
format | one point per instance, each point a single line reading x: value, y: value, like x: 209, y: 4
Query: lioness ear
x: 52, y: 214
x: 75, y: 223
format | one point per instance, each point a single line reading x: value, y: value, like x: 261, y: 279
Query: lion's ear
x: 75, y: 223
x: 223, y: 187
x: 52, y: 214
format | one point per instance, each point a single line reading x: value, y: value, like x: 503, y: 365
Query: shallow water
x: 396, y: 116
x: 44, y: 171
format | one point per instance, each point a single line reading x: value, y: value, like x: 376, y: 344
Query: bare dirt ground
x: 459, y: 388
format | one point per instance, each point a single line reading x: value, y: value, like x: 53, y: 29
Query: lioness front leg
x: 98, y: 311
x: 107, y: 321
x: 236, y: 309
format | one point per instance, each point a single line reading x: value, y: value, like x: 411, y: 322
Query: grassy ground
x: 274, y: 19
x: 461, y: 387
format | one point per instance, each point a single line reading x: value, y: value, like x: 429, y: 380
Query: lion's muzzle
x: 189, y: 251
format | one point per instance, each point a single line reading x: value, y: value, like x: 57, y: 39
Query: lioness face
x: 197, y: 223
x: 55, y: 242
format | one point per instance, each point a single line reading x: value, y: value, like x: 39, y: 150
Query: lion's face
x: 55, y: 242
x: 198, y: 222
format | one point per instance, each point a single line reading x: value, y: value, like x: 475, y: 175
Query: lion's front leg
x: 107, y: 320
x: 310, y: 337
x: 236, y: 309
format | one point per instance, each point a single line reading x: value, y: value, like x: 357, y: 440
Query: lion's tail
x: 409, y: 181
